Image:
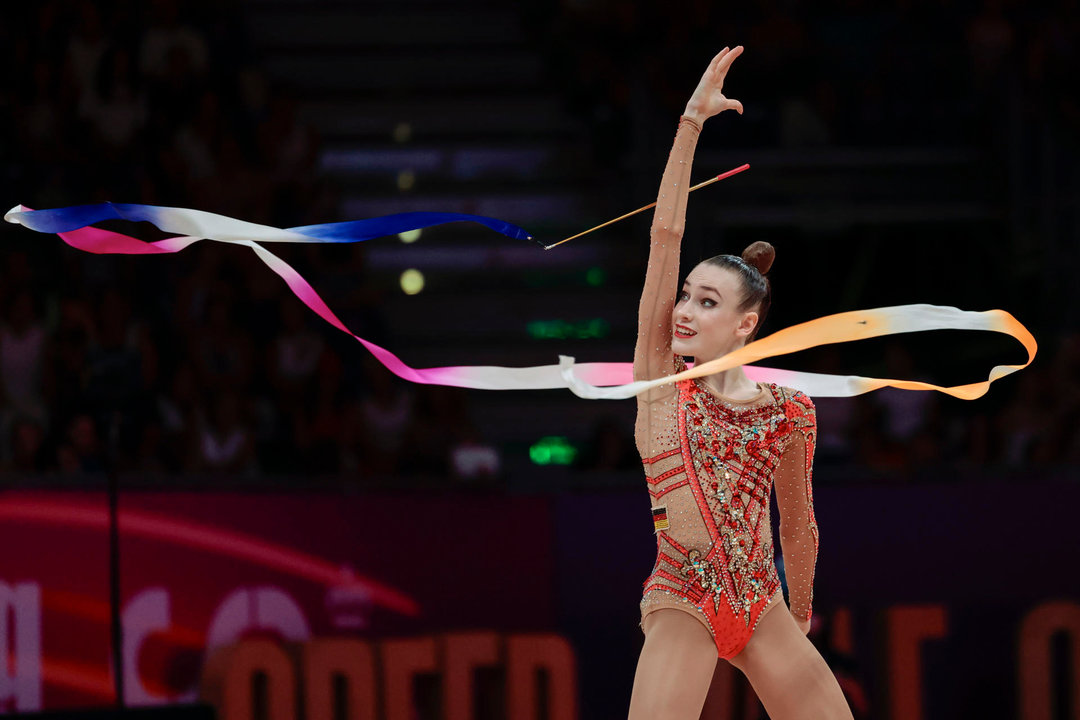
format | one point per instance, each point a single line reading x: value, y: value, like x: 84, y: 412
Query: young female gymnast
x: 713, y: 447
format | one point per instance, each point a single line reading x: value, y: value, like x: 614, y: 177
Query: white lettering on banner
x: 144, y: 614
x: 262, y: 608
x: 243, y: 610
x: 20, y: 661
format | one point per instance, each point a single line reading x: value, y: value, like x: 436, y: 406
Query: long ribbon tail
x: 588, y: 380
x: 201, y: 224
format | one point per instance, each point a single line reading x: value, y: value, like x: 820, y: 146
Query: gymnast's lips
x: 685, y: 330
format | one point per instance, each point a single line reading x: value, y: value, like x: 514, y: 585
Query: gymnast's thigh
x: 675, y: 667
x: 788, y: 674
x: 775, y: 634
x: 682, y: 617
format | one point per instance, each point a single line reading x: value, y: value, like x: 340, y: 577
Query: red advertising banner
x: 931, y: 602
x: 202, y: 571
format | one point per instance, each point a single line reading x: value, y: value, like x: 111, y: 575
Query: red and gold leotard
x: 710, y: 498
x: 711, y: 462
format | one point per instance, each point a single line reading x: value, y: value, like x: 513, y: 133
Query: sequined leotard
x: 710, y: 498
x: 711, y: 463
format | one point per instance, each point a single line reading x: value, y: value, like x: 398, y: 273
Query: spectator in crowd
x: 381, y: 421
x: 81, y: 451
x: 22, y: 354
x: 28, y: 450
x: 226, y: 440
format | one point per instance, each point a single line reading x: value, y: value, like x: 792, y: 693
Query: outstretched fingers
x: 717, y: 59
x: 725, y: 59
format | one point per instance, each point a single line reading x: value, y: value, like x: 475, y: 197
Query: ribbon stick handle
x: 721, y: 176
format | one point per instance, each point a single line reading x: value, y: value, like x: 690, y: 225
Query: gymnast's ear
x: 747, y: 324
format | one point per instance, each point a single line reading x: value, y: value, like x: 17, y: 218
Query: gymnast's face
x: 706, y: 322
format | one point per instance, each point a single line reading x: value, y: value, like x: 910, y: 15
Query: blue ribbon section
x: 67, y: 219
x: 357, y: 230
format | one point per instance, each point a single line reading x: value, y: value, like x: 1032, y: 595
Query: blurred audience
x: 207, y: 364
x: 927, y: 71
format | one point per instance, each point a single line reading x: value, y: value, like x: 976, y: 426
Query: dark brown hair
x: 751, y: 268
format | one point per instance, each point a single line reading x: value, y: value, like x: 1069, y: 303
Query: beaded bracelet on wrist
x: 689, y: 121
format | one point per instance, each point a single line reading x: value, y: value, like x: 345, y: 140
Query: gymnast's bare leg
x: 787, y: 672
x: 674, y: 668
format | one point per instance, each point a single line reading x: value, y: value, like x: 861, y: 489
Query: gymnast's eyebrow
x: 703, y: 287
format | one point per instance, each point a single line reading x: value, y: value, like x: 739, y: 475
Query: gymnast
x: 712, y: 448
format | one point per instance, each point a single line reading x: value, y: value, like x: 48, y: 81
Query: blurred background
x: 901, y: 152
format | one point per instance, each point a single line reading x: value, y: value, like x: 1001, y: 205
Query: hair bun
x: 760, y: 254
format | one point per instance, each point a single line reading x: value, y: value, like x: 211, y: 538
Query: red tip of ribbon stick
x: 729, y: 173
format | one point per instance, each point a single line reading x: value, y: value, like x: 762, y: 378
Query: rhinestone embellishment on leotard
x: 735, y: 450
x: 706, y: 576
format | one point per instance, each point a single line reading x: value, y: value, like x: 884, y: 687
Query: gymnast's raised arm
x: 652, y: 353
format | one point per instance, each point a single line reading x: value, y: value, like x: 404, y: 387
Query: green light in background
x: 568, y: 329
x: 552, y: 450
x: 540, y: 455
x: 595, y: 328
x: 542, y: 329
x: 595, y: 276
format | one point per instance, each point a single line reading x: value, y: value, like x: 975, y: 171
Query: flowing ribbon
x: 199, y: 225
x: 588, y: 380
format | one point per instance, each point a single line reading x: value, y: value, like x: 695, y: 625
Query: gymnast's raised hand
x: 708, y: 98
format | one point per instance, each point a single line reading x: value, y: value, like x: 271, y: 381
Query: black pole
x: 114, y: 569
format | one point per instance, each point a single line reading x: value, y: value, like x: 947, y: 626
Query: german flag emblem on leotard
x: 659, y: 518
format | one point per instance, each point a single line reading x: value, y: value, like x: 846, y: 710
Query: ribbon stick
x: 587, y: 380
x: 700, y: 185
